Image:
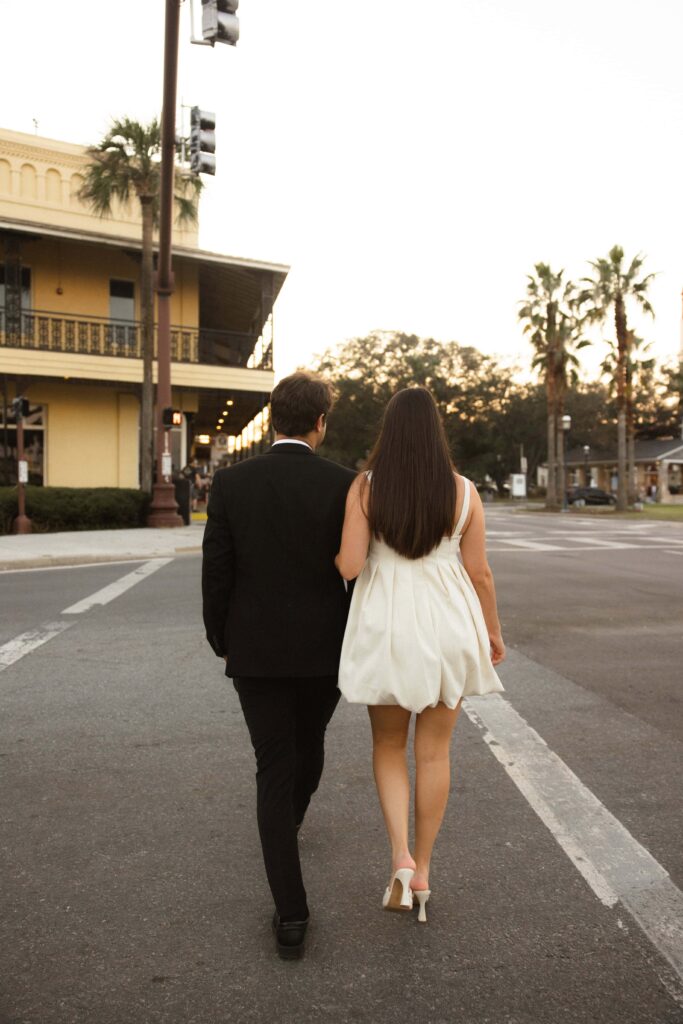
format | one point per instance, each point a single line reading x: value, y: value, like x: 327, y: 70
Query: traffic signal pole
x: 164, y: 510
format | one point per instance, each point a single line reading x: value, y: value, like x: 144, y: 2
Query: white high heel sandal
x: 422, y: 897
x: 398, y: 894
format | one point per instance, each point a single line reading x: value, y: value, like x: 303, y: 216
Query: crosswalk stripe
x: 108, y: 593
x: 531, y: 545
x: 15, y: 649
x: 610, y: 859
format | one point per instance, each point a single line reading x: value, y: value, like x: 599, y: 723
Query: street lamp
x: 566, y: 427
x: 586, y: 452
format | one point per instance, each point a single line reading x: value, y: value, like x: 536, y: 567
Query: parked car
x: 581, y: 496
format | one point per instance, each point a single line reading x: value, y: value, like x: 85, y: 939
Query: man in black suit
x: 275, y: 608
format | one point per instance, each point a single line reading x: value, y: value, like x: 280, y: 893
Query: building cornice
x: 35, y: 154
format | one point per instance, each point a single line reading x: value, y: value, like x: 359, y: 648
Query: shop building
x: 70, y: 332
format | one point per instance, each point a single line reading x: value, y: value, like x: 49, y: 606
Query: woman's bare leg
x: 432, y: 782
x: 389, y: 738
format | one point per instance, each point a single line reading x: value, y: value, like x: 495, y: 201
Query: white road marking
x: 16, y: 648
x: 75, y: 565
x: 108, y: 593
x: 601, y: 542
x: 612, y: 862
x: 575, y: 547
x: 531, y: 545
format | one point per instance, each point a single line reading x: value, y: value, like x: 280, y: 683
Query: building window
x: 122, y: 312
x: 121, y: 301
x: 25, y: 287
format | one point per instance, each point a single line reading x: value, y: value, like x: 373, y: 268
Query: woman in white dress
x: 423, y: 628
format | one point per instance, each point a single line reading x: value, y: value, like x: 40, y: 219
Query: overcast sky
x: 410, y: 161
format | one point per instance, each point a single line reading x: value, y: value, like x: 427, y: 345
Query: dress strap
x: 465, y: 507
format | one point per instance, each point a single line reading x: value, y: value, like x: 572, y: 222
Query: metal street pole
x: 566, y: 423
x: 22, y: 524
x: 164, y: 509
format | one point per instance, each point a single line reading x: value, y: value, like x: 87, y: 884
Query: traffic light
x: 171, y: 417
x: 20, y: 408
x: 202, y: 141
x: 220, y: 24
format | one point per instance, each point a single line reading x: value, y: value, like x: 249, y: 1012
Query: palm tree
x: 569, y: 341
x: 638, y: 368
x: 610, y: 287
x: 553, y: 329
x: 127, y: 164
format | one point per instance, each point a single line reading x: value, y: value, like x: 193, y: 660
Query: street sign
x: 523, y: 465
x: 166, y: 464
x: 23, y: 471
x: 518, y: 485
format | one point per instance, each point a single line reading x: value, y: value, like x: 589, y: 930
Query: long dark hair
x: 411, y: 499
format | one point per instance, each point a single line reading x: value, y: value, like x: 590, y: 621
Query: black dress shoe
x: 290, y: 936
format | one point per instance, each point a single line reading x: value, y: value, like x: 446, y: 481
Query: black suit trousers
x: 287, y: 719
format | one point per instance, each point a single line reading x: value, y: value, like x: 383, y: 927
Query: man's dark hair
x: 298, y: 401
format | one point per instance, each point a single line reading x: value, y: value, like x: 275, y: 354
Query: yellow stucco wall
x: 91, y: 435
x: 39, y: 181
x: 83, y: 273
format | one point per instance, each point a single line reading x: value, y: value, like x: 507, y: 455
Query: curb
x: 65, y: 561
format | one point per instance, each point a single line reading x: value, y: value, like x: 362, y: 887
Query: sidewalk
x: 82, y: 547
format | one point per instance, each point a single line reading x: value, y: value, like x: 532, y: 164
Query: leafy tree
x: 612, y: 285
x: 471, y: 390
x: 548, y: 314
x: 672, y: 398
x: 127, y: 164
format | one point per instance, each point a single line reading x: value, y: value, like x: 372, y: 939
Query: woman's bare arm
x: 473, y: 550
x: 356, y: 533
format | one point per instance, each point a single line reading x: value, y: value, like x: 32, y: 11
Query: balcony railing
x: 95, y: 336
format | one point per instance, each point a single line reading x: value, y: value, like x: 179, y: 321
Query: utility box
x: 518, y: 485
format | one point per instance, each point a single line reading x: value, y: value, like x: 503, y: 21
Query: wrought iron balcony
x: 95, y: 336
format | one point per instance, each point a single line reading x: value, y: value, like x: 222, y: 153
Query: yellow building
x: 70, y: 337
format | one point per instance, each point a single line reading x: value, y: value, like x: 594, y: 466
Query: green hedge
x: 75, y: 508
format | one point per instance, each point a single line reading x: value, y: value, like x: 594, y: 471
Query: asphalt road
x: 132, y: 886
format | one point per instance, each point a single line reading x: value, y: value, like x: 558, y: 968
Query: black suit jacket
x: 274, y: 602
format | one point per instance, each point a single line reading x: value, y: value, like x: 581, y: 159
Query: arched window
x: 76, y: 182
x: 53, y: 186
x: 5, y: 177
x: 29, y: 188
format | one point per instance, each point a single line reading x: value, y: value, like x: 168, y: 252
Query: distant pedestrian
x: 275, y: 608
x: 423, y: 629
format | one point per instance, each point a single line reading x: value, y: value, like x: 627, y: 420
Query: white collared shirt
x: 291, y: 440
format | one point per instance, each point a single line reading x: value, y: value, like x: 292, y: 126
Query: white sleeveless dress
x: 416, y: 634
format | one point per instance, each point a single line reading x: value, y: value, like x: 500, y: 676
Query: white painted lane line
x: 575, y: 549
x: 531, y: 545
x: 16, y: 648
x: 612, y: 862
x: 108, y: 593
x: 75, y: 565
x: 602, y: 542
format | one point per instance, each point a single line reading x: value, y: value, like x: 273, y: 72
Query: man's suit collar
x: 290, y: 448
